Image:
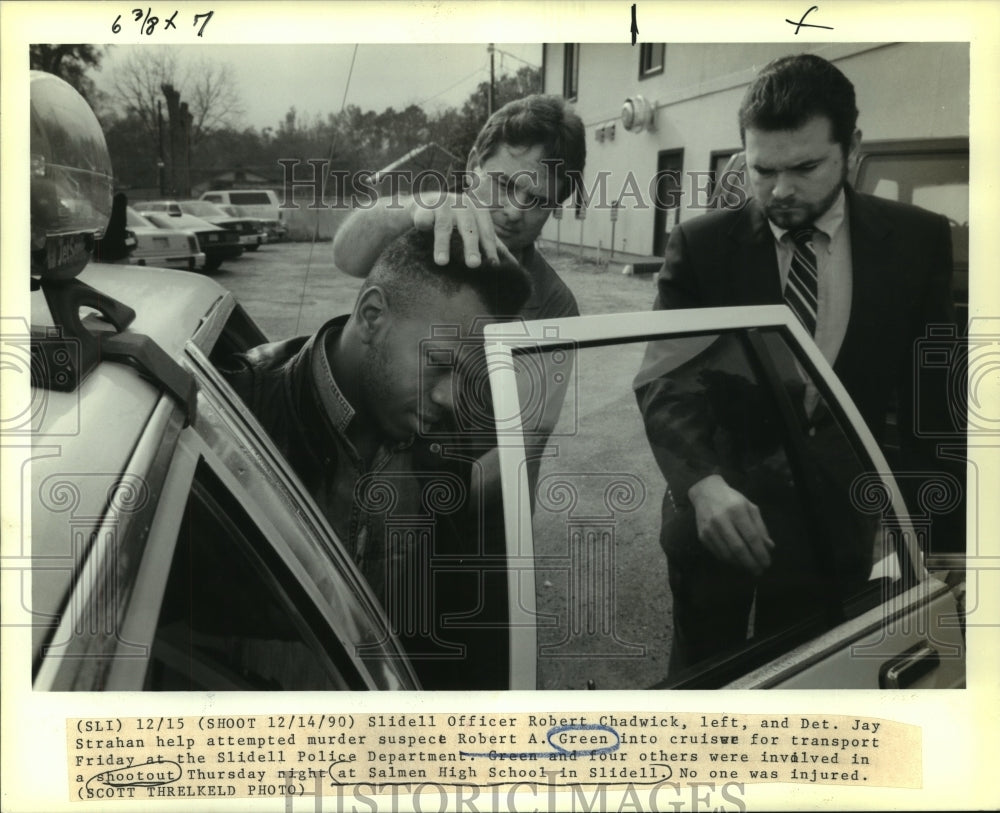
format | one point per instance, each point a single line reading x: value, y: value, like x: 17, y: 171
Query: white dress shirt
x: 832, y: 244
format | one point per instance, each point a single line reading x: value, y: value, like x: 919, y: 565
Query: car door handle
x: 908, y: 667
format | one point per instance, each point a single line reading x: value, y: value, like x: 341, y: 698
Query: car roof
x: 182, y: 221
x: 156, y: 206
x: 84, y: 439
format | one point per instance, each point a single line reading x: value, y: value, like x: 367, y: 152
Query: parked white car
x: 250, y: 231
x: 217, y: 243
x: 162, y: 248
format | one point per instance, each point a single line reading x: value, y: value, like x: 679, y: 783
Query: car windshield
x: 133, y: 218
x: 165, y: 221
x: 159, y: 206
x: 249, y: 198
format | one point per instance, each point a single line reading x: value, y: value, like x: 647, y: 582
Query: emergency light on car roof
x: 71, y: 208
x: 71, y: 178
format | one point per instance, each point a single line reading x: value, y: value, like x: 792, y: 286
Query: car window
x: 233, y: 617
x: 239, y: 334
x: 250, y: 198
x: 611, y: 499
x: 938, y: 181
x: 212, y: 198
x: 935, y: 181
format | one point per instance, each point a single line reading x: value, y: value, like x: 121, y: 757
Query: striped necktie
x: 801, y: 288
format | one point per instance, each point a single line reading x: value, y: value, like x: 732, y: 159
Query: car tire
x: 253, y: 247
x: 212, y: 265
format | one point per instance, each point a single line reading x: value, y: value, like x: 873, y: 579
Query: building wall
x: 904, y: 90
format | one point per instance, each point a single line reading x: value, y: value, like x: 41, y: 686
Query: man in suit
x: 865, y: 276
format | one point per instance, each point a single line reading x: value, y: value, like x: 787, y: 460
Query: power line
x: 480, y: 69
x: 333, y: 144
x: 347, y: 85
x: 515, y: 56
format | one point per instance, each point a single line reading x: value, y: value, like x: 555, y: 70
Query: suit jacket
x: 901, y: 266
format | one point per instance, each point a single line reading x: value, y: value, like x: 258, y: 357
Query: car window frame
x: 265, y: 550
x: 165, y: 457
x: 119, y: 660
x: 501, y: 341
x: 259, y: 449
x: 127, y: 669
x: 91, y: 626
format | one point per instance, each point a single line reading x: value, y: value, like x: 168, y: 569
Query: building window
x: 718, y: 161
x: 651, y: 58
x: 571, y: 70
x: 728, y: 187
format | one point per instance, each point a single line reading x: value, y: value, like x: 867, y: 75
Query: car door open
x: 652, y: 401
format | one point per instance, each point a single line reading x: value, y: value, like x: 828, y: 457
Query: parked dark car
x: 252, y: 230
x: 934, y: 174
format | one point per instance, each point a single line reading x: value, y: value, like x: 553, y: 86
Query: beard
x: 791, y: 216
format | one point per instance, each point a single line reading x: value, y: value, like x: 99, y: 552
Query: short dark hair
x: 406, y: 271
x: 793, y: 89
x: 539, y: 120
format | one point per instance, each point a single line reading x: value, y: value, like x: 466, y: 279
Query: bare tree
x: 210, y: 89
x: 138, y: 82
x: 213, y: 98
x: 179, y: 134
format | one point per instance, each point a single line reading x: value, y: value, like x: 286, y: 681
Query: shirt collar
x: 335, y: 404
x: 338, y: 409
x: 829, y: 222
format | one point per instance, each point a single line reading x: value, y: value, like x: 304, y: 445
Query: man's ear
x: 371, y: 313
x: 472, y: 163
x: 855, y: 150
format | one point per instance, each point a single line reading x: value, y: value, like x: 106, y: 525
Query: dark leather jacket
x: 275, y: 381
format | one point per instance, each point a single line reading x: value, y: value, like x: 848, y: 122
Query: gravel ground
x: 604, y: 592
